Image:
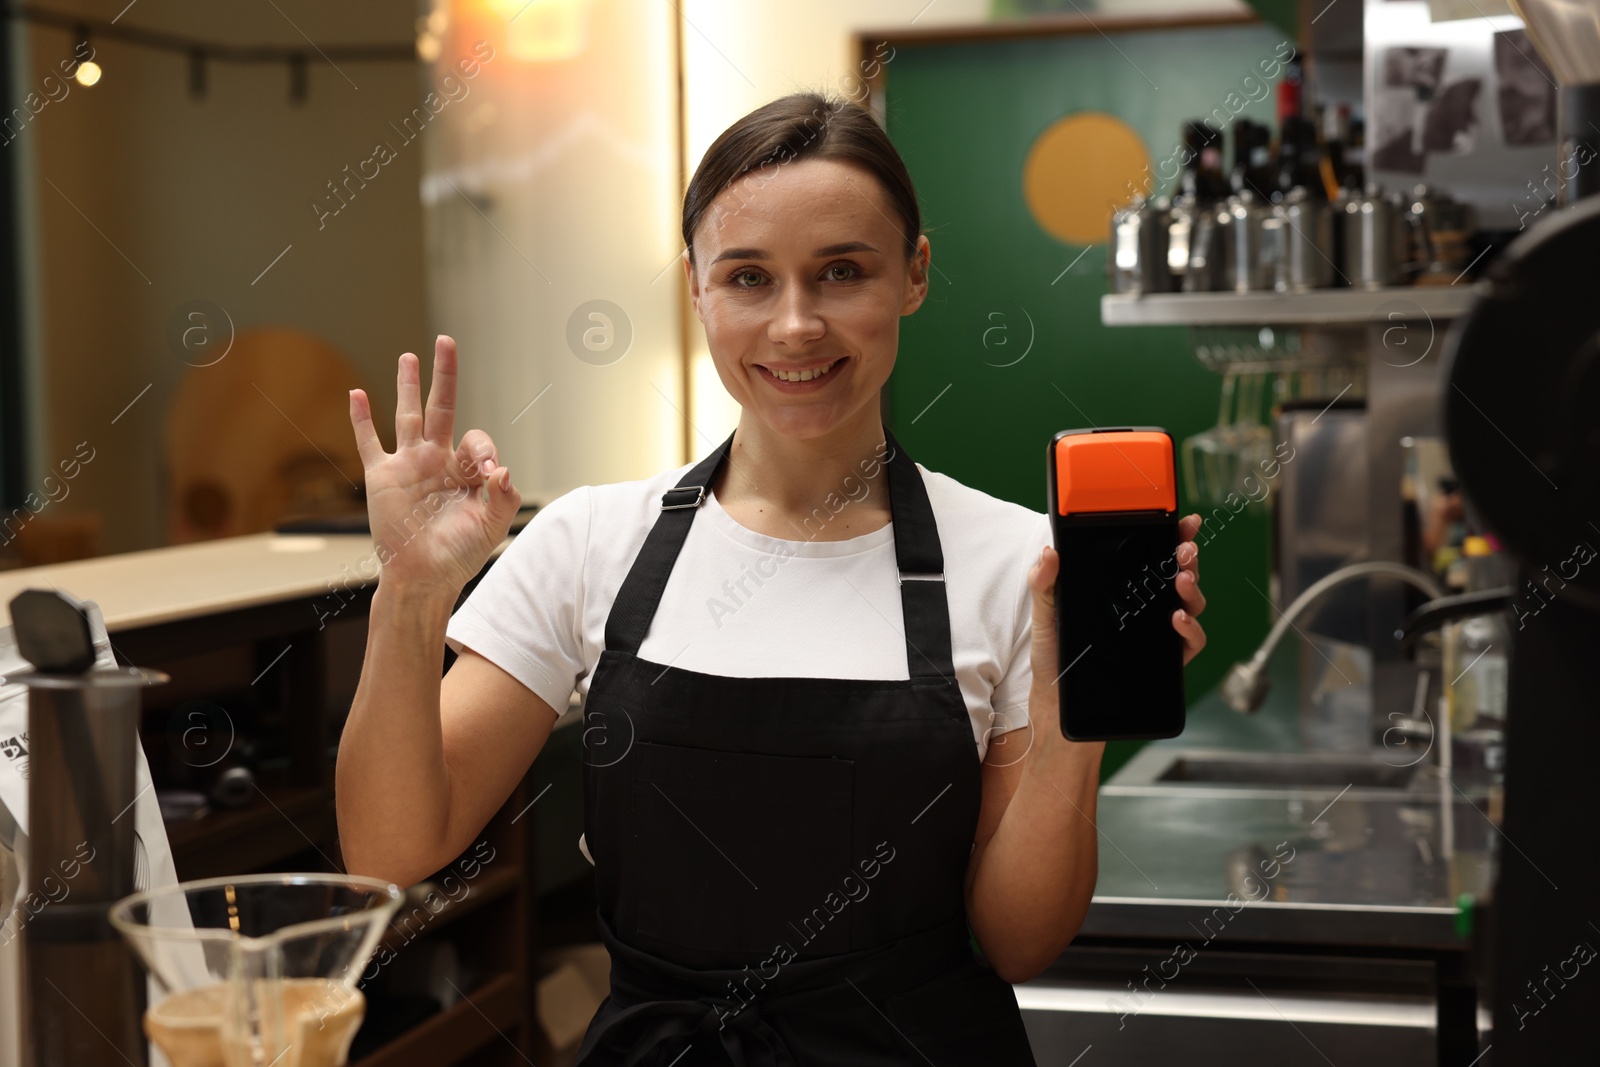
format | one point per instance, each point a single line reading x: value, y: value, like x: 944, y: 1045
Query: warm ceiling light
x: 540, y: 31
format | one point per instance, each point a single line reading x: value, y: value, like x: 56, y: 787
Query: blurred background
x: 223, y: 216
x: 235, y: 224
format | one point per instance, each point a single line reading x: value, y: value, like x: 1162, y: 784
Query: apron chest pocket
x: 736, y: 852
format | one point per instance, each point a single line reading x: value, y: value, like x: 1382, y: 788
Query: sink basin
x: 1286, y: 769
x: 1165, y: 769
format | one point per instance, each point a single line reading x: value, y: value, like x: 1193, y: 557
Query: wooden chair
x: 262, y: 435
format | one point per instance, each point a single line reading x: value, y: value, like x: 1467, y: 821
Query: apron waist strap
x: 665, y: 1001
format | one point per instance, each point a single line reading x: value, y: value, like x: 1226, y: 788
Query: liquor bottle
x: 1355, y: 154
x: 1298, y: 159
x: 1252, y: 158
x: 1200, y: 185
x: 1342, y: 150
x: 1203, y: 181
x: 1335, y: 127
x: 1297, y: 162
x: 1289, y: 89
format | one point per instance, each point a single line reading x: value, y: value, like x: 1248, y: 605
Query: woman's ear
x: 917, y: 275
x: 694, y: 281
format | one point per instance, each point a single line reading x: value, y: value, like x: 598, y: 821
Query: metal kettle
x: 1438, y: 229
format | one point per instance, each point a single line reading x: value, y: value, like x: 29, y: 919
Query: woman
x: 788, y: 652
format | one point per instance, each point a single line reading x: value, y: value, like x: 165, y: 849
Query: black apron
x: 779, y: 862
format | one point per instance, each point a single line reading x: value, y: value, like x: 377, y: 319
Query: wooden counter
x: 161, y: 585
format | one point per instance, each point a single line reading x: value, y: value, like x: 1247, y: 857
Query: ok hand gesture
x: 437, y: 510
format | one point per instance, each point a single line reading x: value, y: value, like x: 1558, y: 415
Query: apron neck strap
x: 918, y: 555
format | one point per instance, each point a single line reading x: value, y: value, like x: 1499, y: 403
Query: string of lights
x: 199, y: 53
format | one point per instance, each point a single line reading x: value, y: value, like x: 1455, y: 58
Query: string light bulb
x: 199, y: 54
x: 87, y: 71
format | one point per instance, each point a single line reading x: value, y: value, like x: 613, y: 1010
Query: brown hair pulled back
x: 806, y: 125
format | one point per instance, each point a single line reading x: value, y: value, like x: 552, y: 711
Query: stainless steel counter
x: 1324, y: 864
x: 1258, y: 893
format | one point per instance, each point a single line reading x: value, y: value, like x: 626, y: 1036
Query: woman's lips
x: 810, y: 386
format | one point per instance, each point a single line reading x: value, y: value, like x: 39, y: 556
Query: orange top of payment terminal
x: 1119, y: 470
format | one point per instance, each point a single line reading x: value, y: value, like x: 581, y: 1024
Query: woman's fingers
x: 1193, y: 634
x: 1194, y: 601
x: 439, y: 422
x: 1042, y: 580
x: 408, y: 401
x: 1189, y: 588
x: 504, y: 500
x: 1042, y: 646
x: 1188, y: 584
x: 477, y: 458
x: 367, y: 444
x: 1189, y: 556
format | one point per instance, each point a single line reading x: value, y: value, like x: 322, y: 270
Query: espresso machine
x: 1521, y: 410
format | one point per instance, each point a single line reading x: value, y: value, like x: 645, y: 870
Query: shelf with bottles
x: 1436, y: 304
x: 1291, y: 235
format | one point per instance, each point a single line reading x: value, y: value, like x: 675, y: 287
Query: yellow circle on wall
x: 1079, y: 170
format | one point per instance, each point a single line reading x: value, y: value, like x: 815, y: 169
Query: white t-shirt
x: 741, y: 603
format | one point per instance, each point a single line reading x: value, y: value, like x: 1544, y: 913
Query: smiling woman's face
x: 800, y: 271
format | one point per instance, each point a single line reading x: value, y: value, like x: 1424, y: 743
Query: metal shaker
x: 1139, y: 247
x: 1194, y: 245
x: 1307, y: 262
x: 1203, y: 272
x: 1252, y: 240
x: 1182, y: 219
x: 1376, y: 239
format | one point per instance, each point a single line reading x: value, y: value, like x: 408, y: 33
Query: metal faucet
x: 1245, y: 688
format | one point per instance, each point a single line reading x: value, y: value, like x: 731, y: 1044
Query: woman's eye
x: 849, y: 269
x: 739, y: 279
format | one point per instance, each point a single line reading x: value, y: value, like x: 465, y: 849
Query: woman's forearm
x: 1032, y: 883
x: 392, y: 785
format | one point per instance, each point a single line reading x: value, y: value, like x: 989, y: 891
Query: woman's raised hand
x: 437, y: 510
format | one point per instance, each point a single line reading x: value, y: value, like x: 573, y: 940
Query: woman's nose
x: 796, y: 318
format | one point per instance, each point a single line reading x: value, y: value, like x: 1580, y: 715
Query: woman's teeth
x: 801, y: 375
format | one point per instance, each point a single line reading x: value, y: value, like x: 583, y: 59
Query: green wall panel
x: 1283, y: 13
x: 964, y: 116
